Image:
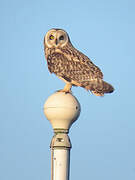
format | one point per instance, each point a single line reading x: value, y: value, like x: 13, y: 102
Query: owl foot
x: 67, y: 88
x: 65, y: 91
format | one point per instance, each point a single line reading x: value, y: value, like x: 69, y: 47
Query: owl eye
x: 51, y: 37
x: 61, y: 37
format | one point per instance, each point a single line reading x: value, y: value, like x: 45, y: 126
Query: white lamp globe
x: 62, y: 109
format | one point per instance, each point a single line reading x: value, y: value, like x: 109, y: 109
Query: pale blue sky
x: 103, y: 138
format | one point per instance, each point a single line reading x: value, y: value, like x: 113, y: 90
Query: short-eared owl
x: 72, y: 66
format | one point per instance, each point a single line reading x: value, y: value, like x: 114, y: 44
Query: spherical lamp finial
x: 62, y: 109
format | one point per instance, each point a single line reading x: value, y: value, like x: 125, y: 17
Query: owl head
x: 55, y: 38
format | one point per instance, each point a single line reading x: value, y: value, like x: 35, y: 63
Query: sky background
x: 103, y: 138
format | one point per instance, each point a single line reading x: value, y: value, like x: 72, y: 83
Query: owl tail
x: 99, y: 87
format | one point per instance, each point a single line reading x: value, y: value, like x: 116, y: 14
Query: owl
x: 72, y: 66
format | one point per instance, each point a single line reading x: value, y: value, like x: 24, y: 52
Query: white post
x: 62, y: 110
x: 60, y: 150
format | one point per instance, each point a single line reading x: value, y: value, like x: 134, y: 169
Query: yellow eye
x: 51, y: 37
x: 61, y: 37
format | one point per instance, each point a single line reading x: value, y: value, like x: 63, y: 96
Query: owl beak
x: 56, y: 42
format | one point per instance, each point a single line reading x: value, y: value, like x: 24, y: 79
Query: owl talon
x: 67, y: 88
x: 66, y: 92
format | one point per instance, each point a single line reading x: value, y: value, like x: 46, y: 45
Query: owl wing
x: 87, y: 66
x: 77, y: 69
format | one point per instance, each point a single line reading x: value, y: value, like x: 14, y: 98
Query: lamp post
x: 62, y: 110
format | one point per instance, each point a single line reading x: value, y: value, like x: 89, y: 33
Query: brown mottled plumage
x: 71, y: 65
